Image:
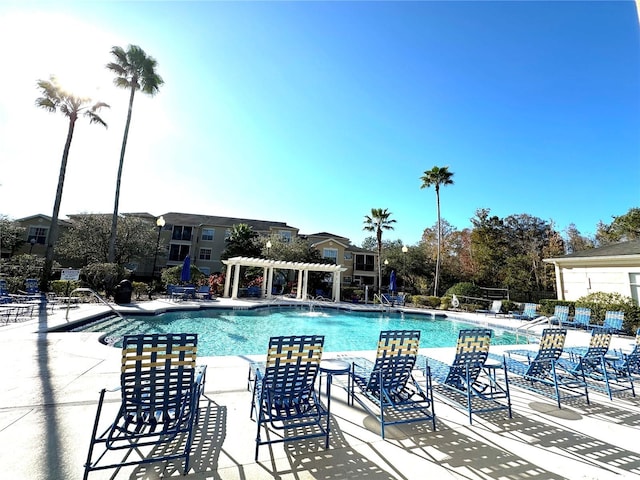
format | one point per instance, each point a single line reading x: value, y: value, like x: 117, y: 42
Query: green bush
x: 171, y: 276
x: 103, y: 277
x: 140, y: 289
x: 63, y: 288
x: 426, y: 301
x: 601, y: 302
x: 464, y: 289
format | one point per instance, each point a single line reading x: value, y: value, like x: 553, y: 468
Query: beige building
x: 611, y: 269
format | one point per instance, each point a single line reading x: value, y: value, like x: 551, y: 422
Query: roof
x: 608, y: 254
x: 196, y: 220
x: 265, y: 262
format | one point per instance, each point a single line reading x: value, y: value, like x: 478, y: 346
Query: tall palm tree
x: 378, y: 221
x: 134, y: 70
x: 54, y: 98
x: 435, y: 177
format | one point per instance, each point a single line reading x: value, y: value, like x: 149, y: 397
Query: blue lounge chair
x: 160, y: 391
x: 538, y: 371
x: 602, y: 370
x: 4, y: 292
x: 473, y: 382
x: 284, y: 395
x: 560, y: 315
x: 613, y: 321
x: 389, y: 383
x: 581, y: 318
x: 203, y: 292
x: 528, y: 312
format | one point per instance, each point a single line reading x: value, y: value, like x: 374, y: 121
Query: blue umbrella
x: 392, y: 282
x: 185, y: 275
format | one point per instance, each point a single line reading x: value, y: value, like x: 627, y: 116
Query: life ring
x: 455, y: 303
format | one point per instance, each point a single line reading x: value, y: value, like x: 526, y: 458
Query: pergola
x: 269, y: 266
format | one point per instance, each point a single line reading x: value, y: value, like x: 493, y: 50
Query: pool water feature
x: 247, y: 332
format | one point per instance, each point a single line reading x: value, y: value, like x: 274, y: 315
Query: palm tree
x: 134, y: 70
x: 376, y: 222
x: 435, y: 177
x: 55, y: 98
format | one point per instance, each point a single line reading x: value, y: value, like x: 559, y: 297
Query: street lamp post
x: 159, y: 223
x: 268, y: 245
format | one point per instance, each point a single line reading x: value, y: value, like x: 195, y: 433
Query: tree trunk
x: 52, y: 238
x: 435, y: 287
x: 114, y: 220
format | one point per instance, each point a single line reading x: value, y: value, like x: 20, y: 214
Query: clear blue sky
x: 312, y: 113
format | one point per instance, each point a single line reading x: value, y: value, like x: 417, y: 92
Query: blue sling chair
x: 602, y: 370
x: 581, y: 318
x: 284, y: 396
x: 476, y: 384
x: 160, y: 387
x: 539, y: 372
x: 386, y: 388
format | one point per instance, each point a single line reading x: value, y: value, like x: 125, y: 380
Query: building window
x: 330, y: 254
x: 207, y: 234
x: 177, y: 253
x: 285, y: 235
x: 205, y: 254
x: 348, y: 255
x: 39, y: 234
x: 181, y: 233
x: 365, y: 263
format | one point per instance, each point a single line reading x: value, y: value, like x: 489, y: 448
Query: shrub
x: 600, y: 302
x: 103, y: 277
x: 171, y: 276
x: 140, y: 289
x: 63, y: 288
x: 426, y: 301
x: 464, y: 289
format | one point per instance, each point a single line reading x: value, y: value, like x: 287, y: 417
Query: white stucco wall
x: 580, y: 281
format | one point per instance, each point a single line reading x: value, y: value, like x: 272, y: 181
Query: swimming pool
x: 247, y: 332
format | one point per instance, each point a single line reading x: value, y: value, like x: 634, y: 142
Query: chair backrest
x: 613, y: 320
x: 3, y: 287
x: 31, y: 285
x: 561, y: 312
x: 599, y: 343
x: 395, y: 359
x: 549, y: 350
x: 582, y: 316
x: 292, y: 366
x: 496, y: 305
x: 529, y: 309
x: 156, y: 371
x: 472, y: 350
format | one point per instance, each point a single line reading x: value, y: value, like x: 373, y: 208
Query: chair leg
x: 94, y: 432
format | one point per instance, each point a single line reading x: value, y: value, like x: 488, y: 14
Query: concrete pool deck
x: 50, y: 385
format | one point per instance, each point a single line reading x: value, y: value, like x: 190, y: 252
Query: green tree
x: 295, y: 250
x: 436, y: 177
x: 54, y: 98
x: 87, y: 240
x: 242, y: 242
x: 11, y: 235
x: 488, y: 245
x: 623, y: 228
x: 134, y: 70
x: 379, y: 220
x: 576, y: 242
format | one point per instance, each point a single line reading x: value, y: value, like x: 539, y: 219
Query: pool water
x: 247, y: 332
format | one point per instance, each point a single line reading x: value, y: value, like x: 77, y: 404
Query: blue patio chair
x: 475, y: 384
x: 160, y: 388
x: 602, y: 369
x: 4, y: 292
x: 581, y: 319
x: 613, y: 321
x: 560, y: 315
x: 538, y: 371
x: 284, y: 396
x: 32, y: 287
x: 528, y: 312
x: 389, y: 383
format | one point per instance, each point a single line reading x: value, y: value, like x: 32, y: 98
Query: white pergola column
x: 336, y: 287
x: 269, y: 282
x: 305, y: 282
x: 299, y: 289
x: 227, y: 281
x: 236, y: 282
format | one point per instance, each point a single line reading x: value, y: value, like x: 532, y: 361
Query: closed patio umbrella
x: 185, y: 275
x: 392, y: 282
